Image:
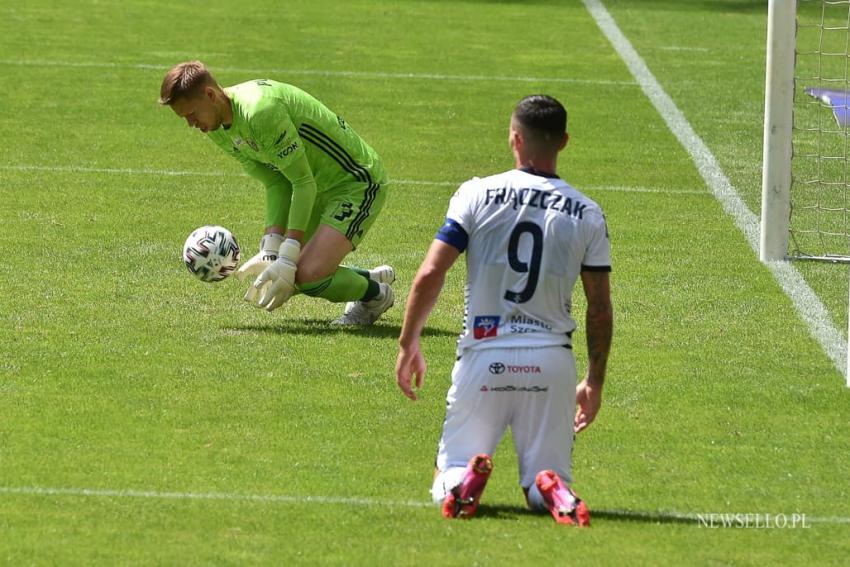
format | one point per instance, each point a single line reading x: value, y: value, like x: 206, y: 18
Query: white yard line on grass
x: 154, y: 494
x: 319, y: 72
x: 808, y: 305
x: 419, y: 182
x: 117, y: 170
x: 631, y: 515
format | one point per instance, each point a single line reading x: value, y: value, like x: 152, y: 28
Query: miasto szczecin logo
x: 485, y: 326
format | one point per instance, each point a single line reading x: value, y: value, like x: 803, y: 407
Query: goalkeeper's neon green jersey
x: 280, y: 130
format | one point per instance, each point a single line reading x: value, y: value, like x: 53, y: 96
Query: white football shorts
x: 530, y: 390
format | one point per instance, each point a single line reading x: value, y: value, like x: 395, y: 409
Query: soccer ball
x: 211, y: 253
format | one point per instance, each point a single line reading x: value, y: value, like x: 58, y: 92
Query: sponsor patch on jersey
x: 485, y: 326
x: 500, y: 368
x: 288, y: 149
x: 238, y: 141
x: 510, y: 388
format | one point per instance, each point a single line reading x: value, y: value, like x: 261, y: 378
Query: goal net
x: 805, y: 180
x: 819, y: 224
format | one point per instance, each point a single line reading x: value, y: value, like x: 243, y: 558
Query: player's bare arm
x: 429, y: 280
x: 599, y: 326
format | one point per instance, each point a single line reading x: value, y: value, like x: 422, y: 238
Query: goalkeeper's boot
x: 562, y: 502
x: 462, y: 500
x: 367, y: 312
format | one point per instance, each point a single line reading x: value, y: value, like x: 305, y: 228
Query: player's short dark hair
x: 184, y: 80
x: 543, y: 118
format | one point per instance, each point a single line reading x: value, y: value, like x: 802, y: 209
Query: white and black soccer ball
x: 211, y: 253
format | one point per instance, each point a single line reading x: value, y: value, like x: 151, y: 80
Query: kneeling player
x: 528, y: 236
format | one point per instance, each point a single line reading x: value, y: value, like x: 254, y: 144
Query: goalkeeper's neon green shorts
x: 350, y: 208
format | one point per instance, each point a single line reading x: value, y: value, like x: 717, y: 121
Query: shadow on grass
x: 505, y: 512
x: 313, y: 327
x: 645, y: 517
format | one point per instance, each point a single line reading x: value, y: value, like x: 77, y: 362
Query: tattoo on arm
x: 599, y: 324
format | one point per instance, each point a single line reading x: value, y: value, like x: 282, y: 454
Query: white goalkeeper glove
x: 269, y: 246
x: 278, y: 278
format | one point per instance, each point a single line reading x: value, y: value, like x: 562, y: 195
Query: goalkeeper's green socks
x: 346, y: 284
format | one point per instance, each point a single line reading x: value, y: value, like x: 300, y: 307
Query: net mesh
x: 820, y: 189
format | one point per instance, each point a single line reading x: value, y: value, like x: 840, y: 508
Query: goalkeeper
x: 324, y: 187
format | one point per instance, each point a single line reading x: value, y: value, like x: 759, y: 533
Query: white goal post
x: 805, y: 180
x: 778, y: 126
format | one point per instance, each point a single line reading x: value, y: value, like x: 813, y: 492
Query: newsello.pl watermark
x: 753, y: 521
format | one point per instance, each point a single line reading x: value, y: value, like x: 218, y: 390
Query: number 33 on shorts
x: 343, y: 211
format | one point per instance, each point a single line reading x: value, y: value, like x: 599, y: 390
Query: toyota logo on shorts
x: 497, y: 368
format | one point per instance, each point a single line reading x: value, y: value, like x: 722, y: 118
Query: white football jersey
x: 527, y: 238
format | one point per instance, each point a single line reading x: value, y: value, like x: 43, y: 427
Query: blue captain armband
x: 453, y: 234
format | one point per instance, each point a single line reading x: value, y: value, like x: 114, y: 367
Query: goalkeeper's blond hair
x: 185, y: 80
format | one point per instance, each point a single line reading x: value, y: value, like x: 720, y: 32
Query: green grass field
x: 147, y: 418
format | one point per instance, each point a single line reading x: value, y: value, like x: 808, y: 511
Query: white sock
x: 445, y: 481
